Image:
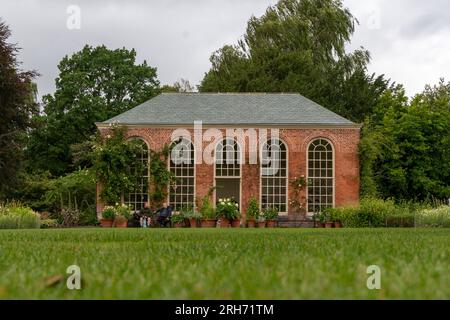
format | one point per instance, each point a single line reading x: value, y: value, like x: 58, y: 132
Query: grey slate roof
x: 229, y: 109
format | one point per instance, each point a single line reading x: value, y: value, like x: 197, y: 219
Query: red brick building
x: 236, y: 129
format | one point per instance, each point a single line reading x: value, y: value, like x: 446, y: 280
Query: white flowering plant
x: 228, y: 208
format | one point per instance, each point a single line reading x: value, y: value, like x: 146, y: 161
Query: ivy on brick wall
x: 115, y: 163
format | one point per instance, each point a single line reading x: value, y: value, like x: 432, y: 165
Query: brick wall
x: 345, y: 142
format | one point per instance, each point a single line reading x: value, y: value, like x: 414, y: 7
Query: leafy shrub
x: 109, y: 212
x: 271, y: 214
x: 252, y: 209
x: 207, y: 210
x: 439, y: 217
x: 177, y: 217
x: 228, y: 208
x: 16, y: 216
x: 49, y: 223
x: 372, y: 213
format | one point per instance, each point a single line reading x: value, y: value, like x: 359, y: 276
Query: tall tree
x: 17, y: 106
x: 94, y: 84
x: 300, y: 46
x: 406, y: 147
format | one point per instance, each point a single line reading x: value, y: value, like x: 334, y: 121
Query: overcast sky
x: 409, y: 39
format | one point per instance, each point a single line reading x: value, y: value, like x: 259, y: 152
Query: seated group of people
x: 147, y: 215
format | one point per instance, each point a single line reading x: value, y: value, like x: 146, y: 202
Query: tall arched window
x: 139, y: 196
x: 320, y: 176
x: 228, y: 159
x: 182, y: 166
x: 228, y: 170
x: 274, y: 173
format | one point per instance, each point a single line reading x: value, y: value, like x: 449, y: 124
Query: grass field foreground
x: 226, y: 264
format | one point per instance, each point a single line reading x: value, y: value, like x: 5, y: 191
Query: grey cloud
x: 179, y: 36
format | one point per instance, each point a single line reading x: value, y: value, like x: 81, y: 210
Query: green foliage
x: 115, y: 164
x: 434, y: 218
x: 252, y: 209
x: 177, y: 218
x: 227, y: 208
x: 270, y: 214
x: 300, y: 46
x: 49, y: 223
x: 377, y: 213
x: 93, y: 85
x: 15, y: 216
x: 160, y: 176
x: 109, y: 212
x: 405, y: 149
x: 17, y: 107
x: 207, y: 210
x: 189, y: 212
x: 71, y: 195
x: 124, y: 211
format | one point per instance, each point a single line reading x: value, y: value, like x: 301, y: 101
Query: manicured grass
x: 226, y: 264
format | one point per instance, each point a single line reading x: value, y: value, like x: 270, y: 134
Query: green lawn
x: 226, y: 264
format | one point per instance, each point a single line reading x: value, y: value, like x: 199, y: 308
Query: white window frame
x: 193, y: 165
x: 240, y: 160
x: 282, y: 213
x: 333, y: 150
x: 126, y: 197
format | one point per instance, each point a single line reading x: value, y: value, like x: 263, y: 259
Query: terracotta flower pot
x: 236, y: 223
x: 320, y: 225
x: 208, y: 223
x: 193, y: 223
x: 262, y: 224
x: 329, y: 225
x: 225, y: 223
x: 251, y: 224
x: 121, y: 224
x: 271, y: 223
x: 338, y: 224
x: 178, y: 225
x: 106, y: 223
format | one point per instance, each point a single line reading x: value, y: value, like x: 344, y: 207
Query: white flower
x: 237, y: 205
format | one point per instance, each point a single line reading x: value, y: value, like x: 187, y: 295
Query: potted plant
x: 236, y: 222
x: 319, y: 220
x: 335, y: 217
x: 120, y: 221
x: 326, y: 217
x: 108, y: 215
x: 178, y: 220
x: 261, y: 221
x: 191, y: 215
x: 271, y: 216
x: 227, y: 210
x: 252, y: 212
x: 208, y: 214
x: 122, y: 216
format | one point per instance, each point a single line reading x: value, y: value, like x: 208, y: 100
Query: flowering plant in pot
x: 108, y: 215
x: 271, y: 216
x: 252, y: 212
x: 208, y: 214
x: 227, y: 210
x: 123, y: 215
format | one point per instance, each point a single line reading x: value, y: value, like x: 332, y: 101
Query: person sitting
x: 145, y: 216
x: 164, y: 214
